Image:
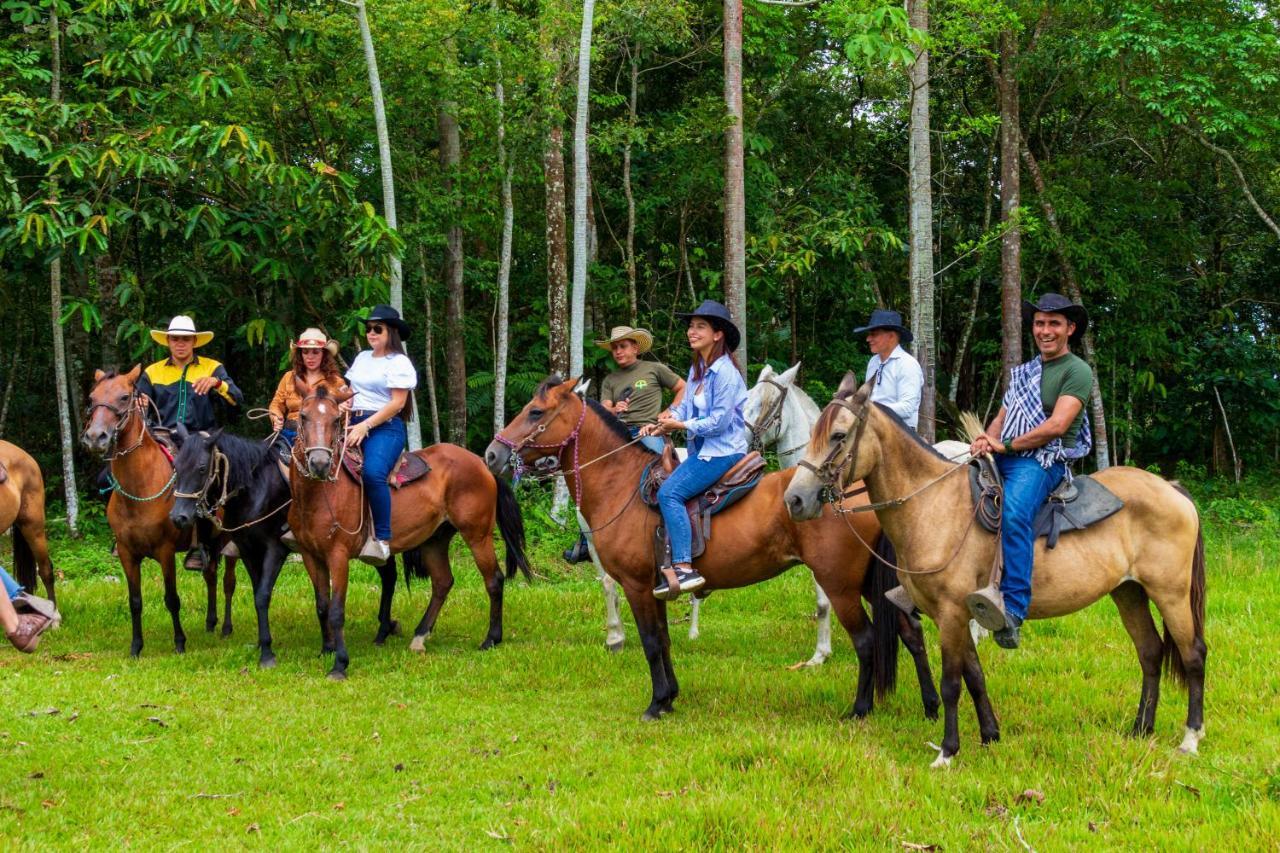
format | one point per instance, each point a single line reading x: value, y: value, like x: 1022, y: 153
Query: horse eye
x: 534, y: 414
x: 123, y: 398
x: 839, y: 436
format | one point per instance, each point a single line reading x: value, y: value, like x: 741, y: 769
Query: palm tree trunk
x: 577, y: 304
x: 921, y: 205
x: 735, y: 204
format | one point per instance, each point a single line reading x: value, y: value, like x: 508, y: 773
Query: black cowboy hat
x: 720, y: 319
x: 1056, y: 303
x: 390, y: 316
x: 884, y: 319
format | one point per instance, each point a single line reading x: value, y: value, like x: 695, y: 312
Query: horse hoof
x: 931, y: 712
x: 226, y: 631
x: 418, y: 643
x: 808, y: 664
x: 856, y: 713
x: 942, y: 762
x: 1191, y: 741
x: 489, y: 642
x: 395, y: 629
x: 614, y: 648
x: 267, y: 663
x: 209, y: 627
x: 651, y: 716
x: 336, y: 675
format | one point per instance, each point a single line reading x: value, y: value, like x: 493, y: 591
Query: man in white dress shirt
x: 899, y: 379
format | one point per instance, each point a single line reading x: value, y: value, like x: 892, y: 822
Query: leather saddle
x: 164, y: 437
x: 1075, y: 504
x: 408, y: 468
x: 736, y: 483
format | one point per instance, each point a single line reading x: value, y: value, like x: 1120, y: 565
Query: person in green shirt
x: 633, y: 392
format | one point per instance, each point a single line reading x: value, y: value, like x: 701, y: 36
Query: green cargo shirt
x: 648, y: 378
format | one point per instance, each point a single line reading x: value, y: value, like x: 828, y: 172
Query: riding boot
x: 1008, y: 636
x: 375, y: 552
x: 578, y: 552
x: 900, y: 598
x: 26, y: 636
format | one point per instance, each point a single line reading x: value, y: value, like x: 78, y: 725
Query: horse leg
x: 613, y: 637
x: 644, y: 607
x: 386, y: 625
x: 481, y: 545
x: 33, y: 535
x: 210, y: 575
x: 911, y: 633
x: 171, y: 600
x: 1135, y: 612
x: 953, y: 626
x: 673, y: 688
x: 976, y: 683
x: 318, y: 571
x: 1179, y: 625
x: 695, y: 609
x: 133, y: 577
x: 229, y: 590
x: 821, y: 650
x: 263, y: 588
x: 338, y: 618
x: 848, y: 607
x: 435, y: 556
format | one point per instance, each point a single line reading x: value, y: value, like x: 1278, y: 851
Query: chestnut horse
x: 22, y: 508
x: 1149, y: 552
x: 752, y: 541
x: 142, y: 479
x: 330, y: 520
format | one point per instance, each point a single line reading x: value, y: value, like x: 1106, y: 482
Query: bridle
x: 520, y: 468
x: 337, y: 450
x: 218, y: 464
x: 122, y: 419
x: 835, y: 470
x: 772, y: 416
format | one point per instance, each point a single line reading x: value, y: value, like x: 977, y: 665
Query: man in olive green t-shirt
x: 633, y: 392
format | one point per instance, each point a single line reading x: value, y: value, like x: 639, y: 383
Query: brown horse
x: 753, y: 540
x: 1151, y: 551
x: 142, y: 480
x: 22, y: 508
x: 330, y: 520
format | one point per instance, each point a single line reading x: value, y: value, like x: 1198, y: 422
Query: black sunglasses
x: 376, y: 328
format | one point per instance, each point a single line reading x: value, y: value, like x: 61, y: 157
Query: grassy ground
x: 539, y: 744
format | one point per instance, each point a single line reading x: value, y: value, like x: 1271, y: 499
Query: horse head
x: 766, y: 401
x: 321, y: 432
x: 112, y: 401
x: 544, y: 427
x: 841, y: 451
x: 195, y: 474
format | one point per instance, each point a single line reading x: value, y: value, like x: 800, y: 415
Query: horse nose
x: 94, y: 442
x: 795, y: 506
x: 496, y: 457
x: 180, y: 517
x: 318, y: 461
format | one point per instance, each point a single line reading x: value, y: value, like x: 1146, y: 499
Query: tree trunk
x: 557, y: 259
x: 1102, y: 447
x: 11, y: 377
x: 626, y: 189
x: 429, y: 352
x: 503, y: 320
x: 580, y: 212
x: 454, y: 306
x: 55, y: 298
x: 735, y: 203
x: 388, y: 185
x: 921, y: 205
x: 1010, y: 189
x: 975, y: 296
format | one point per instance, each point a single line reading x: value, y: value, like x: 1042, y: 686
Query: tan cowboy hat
x: 180, y: 325
x: 644, y: 340
x: 313, y: 338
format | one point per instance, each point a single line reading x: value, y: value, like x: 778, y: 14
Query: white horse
x: 781, y: 415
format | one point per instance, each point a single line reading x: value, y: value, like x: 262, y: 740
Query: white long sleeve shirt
x: 900, y: 384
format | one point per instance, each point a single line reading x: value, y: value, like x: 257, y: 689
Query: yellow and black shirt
x: 169, y: 387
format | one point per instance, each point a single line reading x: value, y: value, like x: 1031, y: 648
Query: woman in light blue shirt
x: 711, y: 416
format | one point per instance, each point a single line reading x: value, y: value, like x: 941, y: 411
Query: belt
x: 363, y: 413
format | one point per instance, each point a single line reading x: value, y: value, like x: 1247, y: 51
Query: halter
x: 839, y: 461
x: 122, y: 418
x: 772, y: 417
x: 218, y: 463
x: 517, y: 449
x: 337, y: 450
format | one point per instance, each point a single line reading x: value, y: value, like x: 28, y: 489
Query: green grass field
x: 538, y: 743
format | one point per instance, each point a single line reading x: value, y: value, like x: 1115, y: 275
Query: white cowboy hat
x: 313, y: 338
x: 180, y: 325
x: 644, y: 340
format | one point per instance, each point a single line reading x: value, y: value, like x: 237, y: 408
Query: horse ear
x: 133, y: 375
x: 766, y: 372
x: 180, y: 433
x: 848, y: 385
x: 300, y: 386
x: 581, y: 387
x: 344, y: 394
x: 789, y: 375
x: 214, y: 435
x: 97, y: 375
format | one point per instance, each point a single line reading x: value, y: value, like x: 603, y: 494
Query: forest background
x: 220, y: 158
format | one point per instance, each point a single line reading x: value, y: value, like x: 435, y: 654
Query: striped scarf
x: 1024, y: 411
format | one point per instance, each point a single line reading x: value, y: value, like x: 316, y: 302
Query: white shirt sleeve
x: 400, y: 373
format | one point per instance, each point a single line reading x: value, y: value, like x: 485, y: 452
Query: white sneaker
x: 375, y: 552
x: 230, y: 550
x: 288, y: 540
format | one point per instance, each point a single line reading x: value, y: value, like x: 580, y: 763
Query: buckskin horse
x: 751, y: 541
x: 22, y: 508
x: 1151, y: 551
x: 329, y: 518
x: 142, y: 480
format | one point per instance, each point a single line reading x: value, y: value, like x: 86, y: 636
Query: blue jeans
x: 289, y: 435
x: 693, y: 477
x: 653, y: 442
x: 11, y: 586
x: 1026, y: 487
x: 382, y: 447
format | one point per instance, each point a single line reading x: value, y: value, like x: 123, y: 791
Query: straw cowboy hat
x: 313, y: 338
x: 180, y: 325
x: 884, y: 319
x: 719, y: 318
x: 644, y: 340
x: 1056, y: 303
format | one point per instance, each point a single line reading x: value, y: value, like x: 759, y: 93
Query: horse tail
x: 1173, y: 663
x: 411, y: 561
x: 511, y: 526
x: 880, y: 579
x: 24, y: 560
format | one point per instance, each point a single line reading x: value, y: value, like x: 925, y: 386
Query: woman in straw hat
x: 314, y: 359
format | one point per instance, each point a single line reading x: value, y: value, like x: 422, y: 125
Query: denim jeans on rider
x: 653, y: 442
x: 1026, y: 487
x: 382, y: 447
x: 11, y: 586
x: 692, y: 477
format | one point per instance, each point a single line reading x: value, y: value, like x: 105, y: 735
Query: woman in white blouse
x: 382, y: 378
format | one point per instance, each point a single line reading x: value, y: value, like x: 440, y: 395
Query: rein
x: 772, y: 417
x: 220, y: 464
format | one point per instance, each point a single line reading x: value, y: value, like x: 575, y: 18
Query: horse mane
x: 613, y: 423
x: 245, y: 456
x: 823, y: 426
x: 552, y: 381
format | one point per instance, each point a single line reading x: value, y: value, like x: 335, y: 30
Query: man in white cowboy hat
x: 633, y: 392
x: 179, y: 386
x: 899, y: 379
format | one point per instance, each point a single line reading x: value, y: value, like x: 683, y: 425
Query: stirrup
x: 375, y: 552
x: 986, y: 606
